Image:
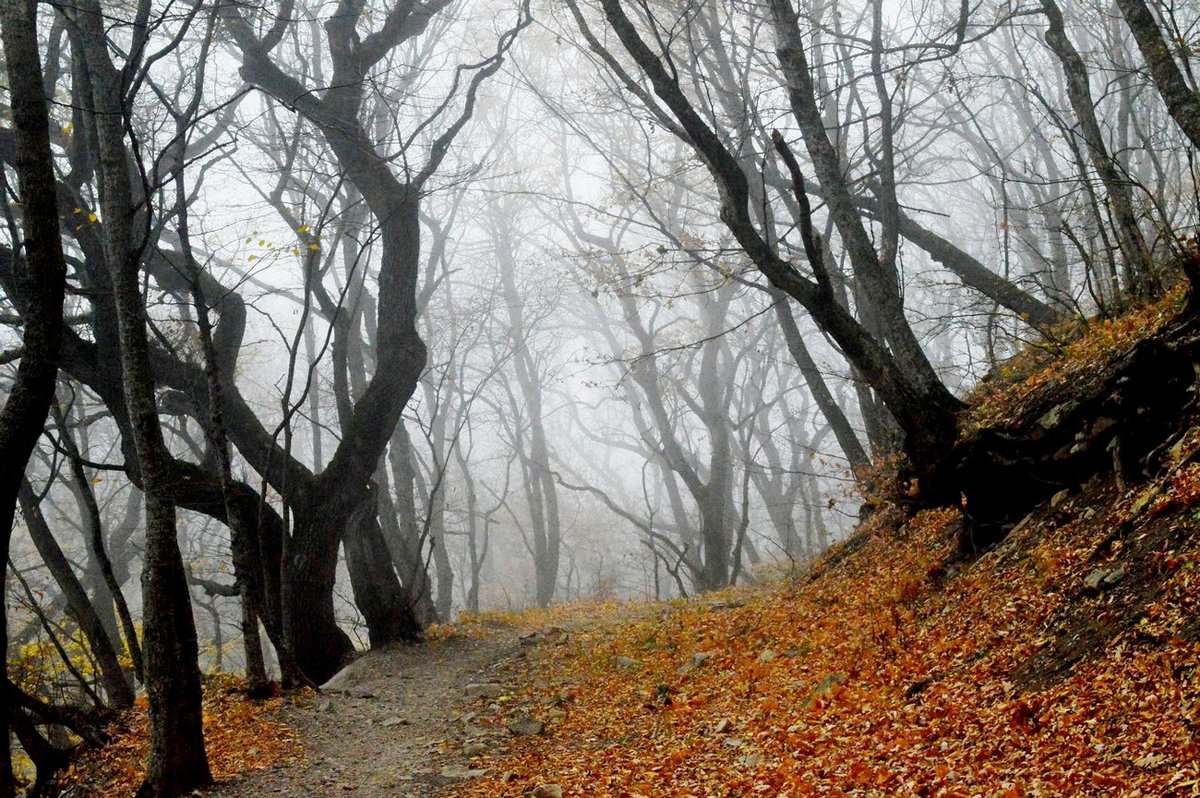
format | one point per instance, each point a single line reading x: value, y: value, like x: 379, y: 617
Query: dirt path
x: 398, y: 723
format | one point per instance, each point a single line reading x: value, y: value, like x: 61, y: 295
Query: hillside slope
x: 1062, y: 662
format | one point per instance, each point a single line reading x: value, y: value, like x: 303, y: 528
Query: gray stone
x: 628, y: 663
x: 546, y: 791
x: 525, y: 724
x: 484, y: 690
x: 1051, y: 419
x: 826, y: 686
x: 1102, y: 578
x: 349, y: 677
x: 766, y: 656
x: 476, y: 748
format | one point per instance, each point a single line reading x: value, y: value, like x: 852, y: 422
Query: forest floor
x: 1063, y: 662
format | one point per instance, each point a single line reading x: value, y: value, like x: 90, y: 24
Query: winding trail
x: 397, y: 723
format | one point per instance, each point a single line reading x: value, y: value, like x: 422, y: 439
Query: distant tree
x: 1139, y: 269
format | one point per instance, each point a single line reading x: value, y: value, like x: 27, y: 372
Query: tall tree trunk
x: 389, y: 615
x: 1182, y: 103
x: 847, y: 439
x: 1137, y: 264
x: 177, y: 761
x: 403, y: 530
x: 546, y: 527
x: 247, y: 556
x: 38, y: 287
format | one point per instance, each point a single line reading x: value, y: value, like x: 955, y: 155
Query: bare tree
x: 1183, y: 101
x: 34, y: 278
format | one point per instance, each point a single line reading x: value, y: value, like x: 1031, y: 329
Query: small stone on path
x: 526, y: 725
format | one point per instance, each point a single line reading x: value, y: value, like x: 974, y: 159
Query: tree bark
x: 92, y: 521
x: 847, y: 439
x: 177, y: 761
x: 1137, y: 264
x: 41, y: 285
x: 1182, y: 103
x: 389, y: 615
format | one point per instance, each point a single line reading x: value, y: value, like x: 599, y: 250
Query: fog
x: 504, y: 317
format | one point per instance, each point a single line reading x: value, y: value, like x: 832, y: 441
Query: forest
x: 379, y: 325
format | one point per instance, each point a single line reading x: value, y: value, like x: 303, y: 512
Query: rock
x: 349, y: 677
x: 525, y: 724
x: 723, y: 726
x: 1058, y: 498
x: 628, y: 663
x: 730, y: 604
x: 733, y: 742
x: 394, y: 721
x: 476, y: 749
x: 1052, y: 418
x: 546, y: 791
x: 325, y: 706
x: 751, y: 760
x: 767, y: 656
x: 697, y: 659
x: 462, y: 772
x: 827, y: 686
x: 485, y: 690
x: 1144, y: 500
x: 1102, y: 578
